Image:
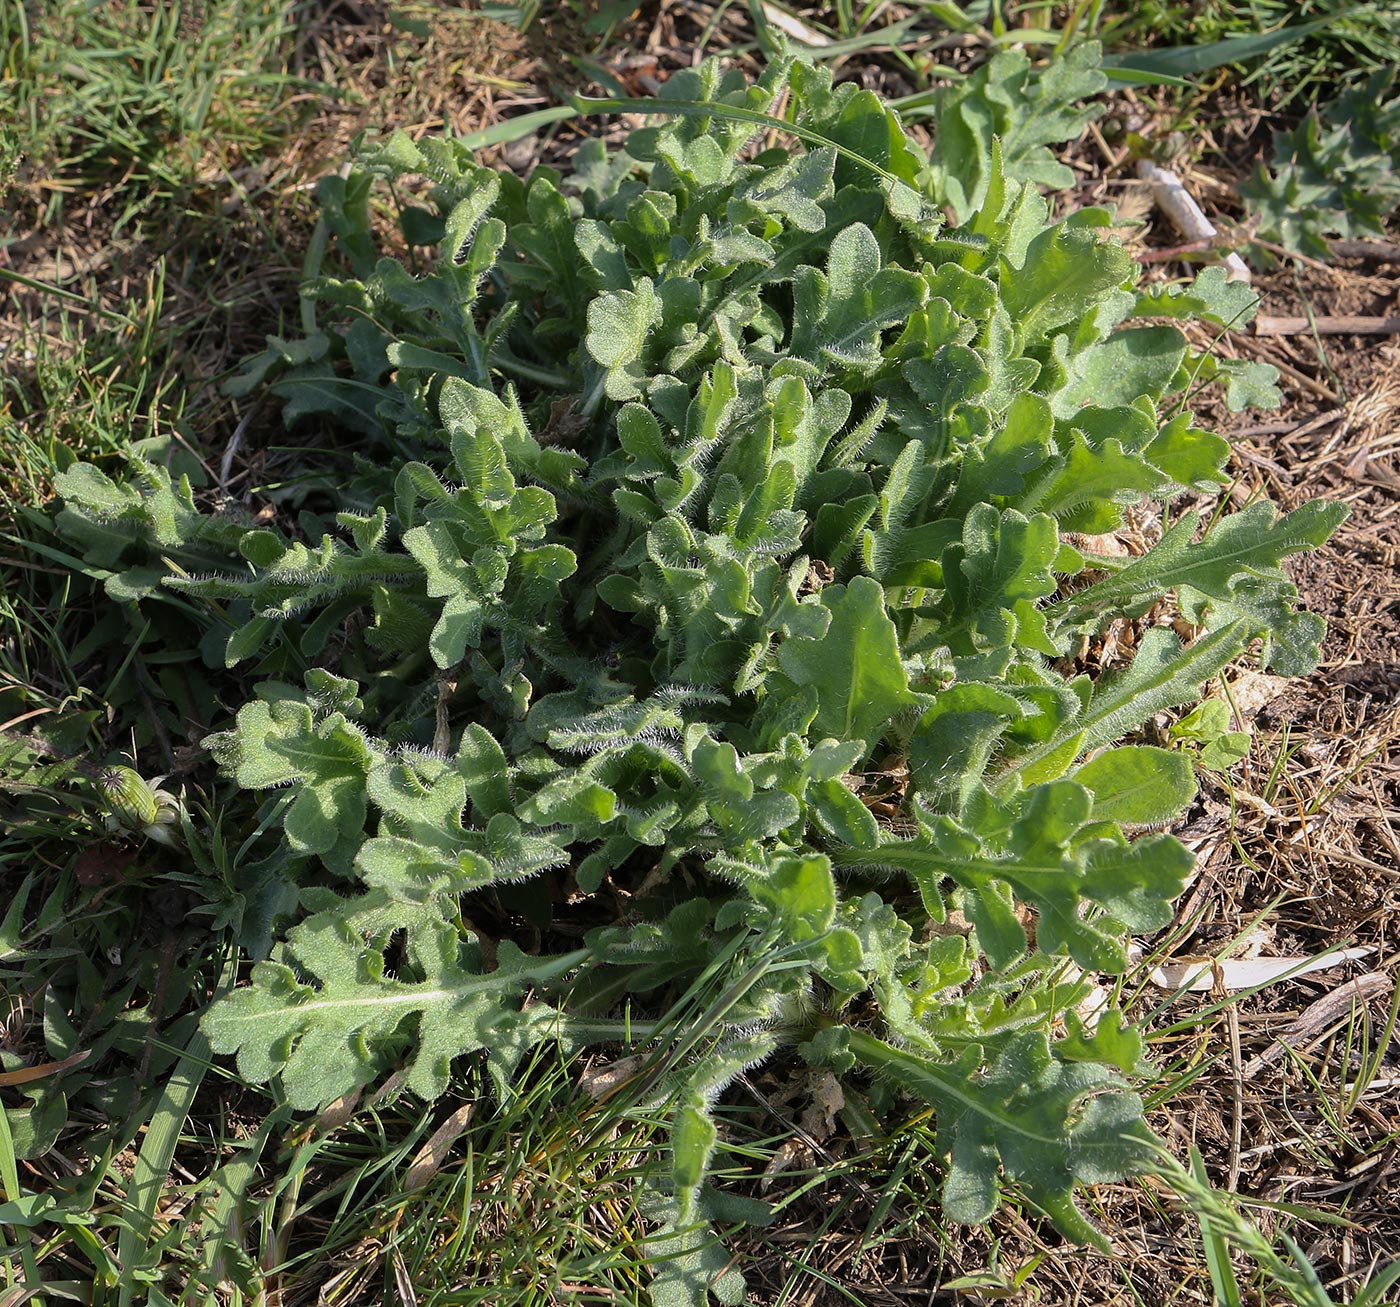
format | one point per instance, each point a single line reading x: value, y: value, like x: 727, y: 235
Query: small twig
x: 1339, y: 325
x: 1266, y: 429
x: 1317, y: 423
x: 1321, y: 389
x: 1283, y: 252
x: 231, y: 449
x: 1259, y: 460
x: 1318, y: 1015
x: 1232, y: 1025
x: 1113, y: 159
x: 1205, y: 245
x: 1380, y: 251
x: 7, y: 728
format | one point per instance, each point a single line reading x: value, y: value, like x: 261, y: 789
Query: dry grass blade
x: 27, y: 1075
x: 1312, y: 1022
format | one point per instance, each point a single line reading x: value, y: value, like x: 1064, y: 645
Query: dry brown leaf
x: 429, y: 1159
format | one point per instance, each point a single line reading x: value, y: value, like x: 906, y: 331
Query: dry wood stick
x: 1335, y: 325
x: 1381, y: 251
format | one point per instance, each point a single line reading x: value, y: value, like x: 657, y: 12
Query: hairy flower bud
x: 134, y: 805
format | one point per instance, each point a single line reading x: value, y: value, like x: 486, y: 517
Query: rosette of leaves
x: 1336, y: 175
x: 711, y: 541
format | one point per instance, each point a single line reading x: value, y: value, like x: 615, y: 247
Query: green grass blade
x: 1188, y: 60
x: 949, y: 14
x: 9, y: 1178
x: 233, y: 1180
x: 1313, y: 1290
x: 71, y: 297
x: 1373, y: 1292
x: 1224, y: 1286
x: 512, y: 129
x: 157, y: 1153
x: 1136, y: 77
